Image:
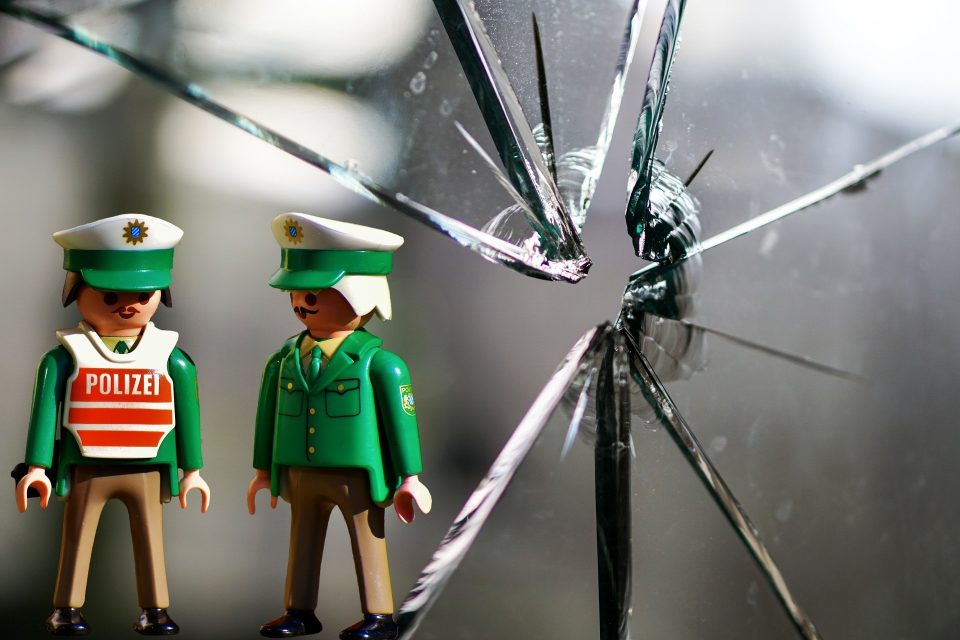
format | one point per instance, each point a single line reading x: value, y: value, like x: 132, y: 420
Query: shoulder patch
x: 406, y: 400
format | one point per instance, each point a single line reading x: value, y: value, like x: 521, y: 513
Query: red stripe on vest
x: 120, y: 385
x: 89, y: 438
x: 119, y: 416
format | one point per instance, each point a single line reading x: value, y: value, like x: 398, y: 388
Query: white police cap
x: 319, y: 253
x: 128, y: 252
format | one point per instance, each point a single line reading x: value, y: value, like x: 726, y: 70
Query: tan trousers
x: 313, y: 495
x: 92, y: 487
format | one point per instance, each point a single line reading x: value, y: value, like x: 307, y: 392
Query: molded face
x: 325, y: 313
x: 117, y: 313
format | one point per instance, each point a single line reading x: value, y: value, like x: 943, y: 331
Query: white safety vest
x: 119, y: 405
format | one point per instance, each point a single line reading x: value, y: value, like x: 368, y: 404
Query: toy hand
x: 192, y: 480
x: 260, y: 481
x: 36, y: 476
x: 411, y: 492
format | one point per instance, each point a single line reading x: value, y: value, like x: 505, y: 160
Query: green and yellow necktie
x: 313, y: 369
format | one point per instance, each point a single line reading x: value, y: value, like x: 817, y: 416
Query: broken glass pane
x: 375, y: 95
x: 814, y: 357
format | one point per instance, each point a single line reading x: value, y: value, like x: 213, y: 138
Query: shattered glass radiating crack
x: 498, y: 131
x: 662, y: 220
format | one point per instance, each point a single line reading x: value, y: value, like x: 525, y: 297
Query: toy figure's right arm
x: 266, y: 414
x: 263, y: 436
x: 48, y: 390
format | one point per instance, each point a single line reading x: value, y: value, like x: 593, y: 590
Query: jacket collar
x: 351, y: 349
x: 108, y: 353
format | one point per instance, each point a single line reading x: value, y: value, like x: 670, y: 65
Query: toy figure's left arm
x: 187, y: 409
x: 394, y: 393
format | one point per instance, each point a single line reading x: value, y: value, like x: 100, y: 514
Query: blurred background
x: 852, y: 484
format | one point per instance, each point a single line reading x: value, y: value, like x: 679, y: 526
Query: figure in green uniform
x: 336, y: 421
x: 115, y: 411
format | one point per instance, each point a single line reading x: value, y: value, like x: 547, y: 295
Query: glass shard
x: 513, y: 136
x: 612, y: 460
x: 545, y: 139
x: 639, y: 214
x: 564, y: 390
x: 575, y: 91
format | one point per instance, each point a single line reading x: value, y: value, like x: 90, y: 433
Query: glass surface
x: 814, y: 359
x: 505, y: 523
x: 375, y: 95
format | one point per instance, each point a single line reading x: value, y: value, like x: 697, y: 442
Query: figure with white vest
x: 115, y: 412
x: 336, y: 420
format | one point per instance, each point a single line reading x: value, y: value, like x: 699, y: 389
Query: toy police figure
x: 336, y: 420
x: 115, y: 411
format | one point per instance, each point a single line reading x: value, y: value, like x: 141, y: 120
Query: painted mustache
x: 126, y: 312
x: 303, y: 311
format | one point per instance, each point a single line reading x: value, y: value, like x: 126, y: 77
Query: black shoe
x: 156, y: 622
x: 374, y: 626
x: 293, y: 622
x: 67, y: 621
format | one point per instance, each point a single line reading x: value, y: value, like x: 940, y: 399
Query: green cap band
x: 119, y: 270
x: 117, y: 260
x: 322, y: 268
x: 361, y: 263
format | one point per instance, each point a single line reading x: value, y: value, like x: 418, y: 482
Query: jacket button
x: 312, y: 411
x: 289, y: 385
x: 312, y: 450
x: 340, y: 388
x: 312, y: 430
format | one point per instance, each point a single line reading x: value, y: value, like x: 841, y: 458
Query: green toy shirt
x: 359, y: 413
x: 181, y: 447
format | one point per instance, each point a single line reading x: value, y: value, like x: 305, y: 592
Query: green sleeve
x: 266, y: 414
x: 48, y: 389
x: 391, y: 382
x: 187, y: 410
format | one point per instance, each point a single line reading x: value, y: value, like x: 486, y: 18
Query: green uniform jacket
x: 358, y: 414
x: 180, y: 448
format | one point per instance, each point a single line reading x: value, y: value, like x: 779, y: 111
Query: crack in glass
x: 641, y: 217
x: 850, y: 182
x: 543, y: 242
x: 526, y: 167
x: 662, y: 220
x: 548, y: 182
x: 568, y: 384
